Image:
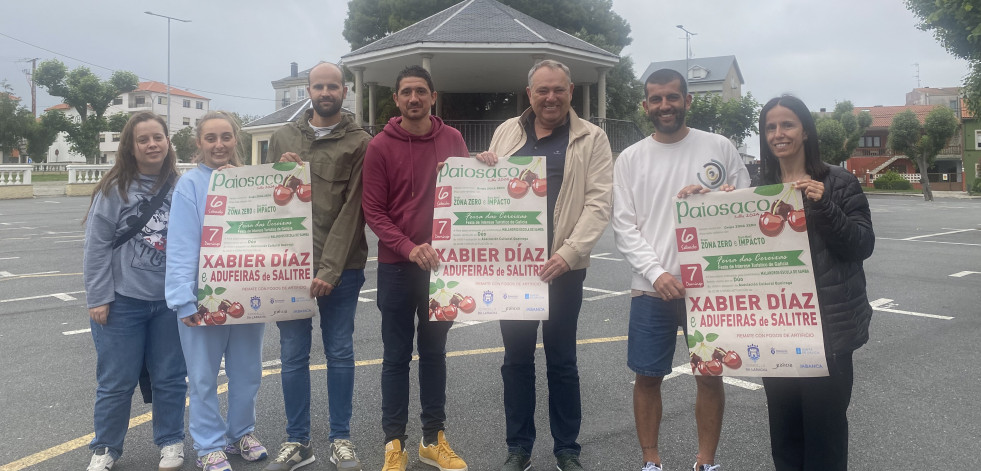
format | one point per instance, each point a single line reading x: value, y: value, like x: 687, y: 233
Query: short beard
x: 327, y: 112
x: 679, y: 121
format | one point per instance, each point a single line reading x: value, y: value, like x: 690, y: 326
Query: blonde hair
x: 236, y: 159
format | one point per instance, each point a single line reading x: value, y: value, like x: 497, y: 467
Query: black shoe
x: 517, y: 462
x: 568, y: 462
x: 292, y: 456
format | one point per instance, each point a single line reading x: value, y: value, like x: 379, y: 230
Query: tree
x: 957, y: 25
x: 922, y: 143
x: 735, y: 118
x: 593, y: 21
x: 838, y: 134
x: 86, y: 93
x: 184, y: 144
x: 40, y: 134
x: 20, y: 130
x: 11, y: 120
x: 245, y: 138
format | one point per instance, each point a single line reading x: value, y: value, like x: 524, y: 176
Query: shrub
x: 891, y: 181
x: 976, y: 189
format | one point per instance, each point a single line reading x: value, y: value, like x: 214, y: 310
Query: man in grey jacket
x: 579, y: 162
x: 334, y: 147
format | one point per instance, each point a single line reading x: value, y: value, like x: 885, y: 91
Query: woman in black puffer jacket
x: 808, y: 423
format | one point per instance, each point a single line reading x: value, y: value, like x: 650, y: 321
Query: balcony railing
x: 872, y: 152
x: 93, y: 173
x: 11, y: 175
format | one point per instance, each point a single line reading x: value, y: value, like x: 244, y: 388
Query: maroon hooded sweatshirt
x: 400, y: 185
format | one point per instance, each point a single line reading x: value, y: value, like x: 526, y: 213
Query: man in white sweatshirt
x: 646, y: 177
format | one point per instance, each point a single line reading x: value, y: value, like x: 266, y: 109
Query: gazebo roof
x: 478, y: 46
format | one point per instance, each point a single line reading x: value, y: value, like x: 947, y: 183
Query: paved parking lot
x: 913, y: 404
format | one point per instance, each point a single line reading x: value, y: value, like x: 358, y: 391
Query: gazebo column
x: 585, y: 99
x: 372, y: 87
x: 358, y: 88
x: 427, y: 64
x: 601, y: 92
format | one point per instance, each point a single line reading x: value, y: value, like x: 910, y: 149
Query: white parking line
x: 686, y: 370
x: 879, y: 303
x: 606, y: 293
x: 367, y: 300
x: 930, y: 241
x: 962, y: 274
x: 603, y: 256
x: 7, y: 274
x: 79, y: 331
x: 61, y: 296
x: 9, y: 258
x: 956, y: 231
x: 458, y: 324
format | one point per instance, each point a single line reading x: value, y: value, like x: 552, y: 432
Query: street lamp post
x: 168, y: 62
x: 688, y: 35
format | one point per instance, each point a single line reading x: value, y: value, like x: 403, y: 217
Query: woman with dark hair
x: 808, y: 422
x: 240, y: 344
x: 124, y: 262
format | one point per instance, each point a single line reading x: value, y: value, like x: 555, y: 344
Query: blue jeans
x: 403, y: 296
x: 135, y: 332
x: 337, y: 328
x: 518, y: 370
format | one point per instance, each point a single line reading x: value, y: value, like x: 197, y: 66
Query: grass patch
x: 49, y: 177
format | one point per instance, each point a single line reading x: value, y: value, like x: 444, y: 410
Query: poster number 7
x: 691, y: 276
x: 441, y: 229
x: 211, y: 236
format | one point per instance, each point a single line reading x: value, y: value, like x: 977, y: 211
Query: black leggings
x: 808, y: 422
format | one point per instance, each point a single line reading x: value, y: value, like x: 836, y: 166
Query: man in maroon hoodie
x: 399, y: 189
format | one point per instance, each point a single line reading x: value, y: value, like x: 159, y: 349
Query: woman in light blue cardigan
x: 204, y: 346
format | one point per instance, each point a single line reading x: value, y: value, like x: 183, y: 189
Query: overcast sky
x: 823, y: 51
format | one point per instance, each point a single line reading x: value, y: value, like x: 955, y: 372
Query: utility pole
x: 168, y: 63
x: 688, y: 35
x: 30, y: 80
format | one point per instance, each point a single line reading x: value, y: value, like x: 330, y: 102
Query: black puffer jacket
x: 841, y: 237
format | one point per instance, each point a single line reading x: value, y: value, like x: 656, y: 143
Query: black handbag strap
x: 155, y: 203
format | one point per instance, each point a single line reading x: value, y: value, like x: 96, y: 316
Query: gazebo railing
x: 477, y: 133
x: 622, y: 133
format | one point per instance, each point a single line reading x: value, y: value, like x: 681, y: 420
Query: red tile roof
x: 59, y: 106
x: 882, y: 115
x: 965, y: 112
x: 157, y: 87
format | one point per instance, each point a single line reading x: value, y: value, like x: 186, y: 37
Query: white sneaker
x: 101, y: 461
x: 172, y: 457
x: 706, y: 467
x: 648, y: 466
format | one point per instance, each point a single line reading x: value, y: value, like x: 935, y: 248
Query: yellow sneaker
x: 441, y: 455
x: 396, y: 459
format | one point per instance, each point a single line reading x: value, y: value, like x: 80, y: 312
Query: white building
x: 293, y: 88
x: 706, y: 75
x: 186, y: 109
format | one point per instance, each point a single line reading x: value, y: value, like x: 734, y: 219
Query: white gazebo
x: 479, y: 46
